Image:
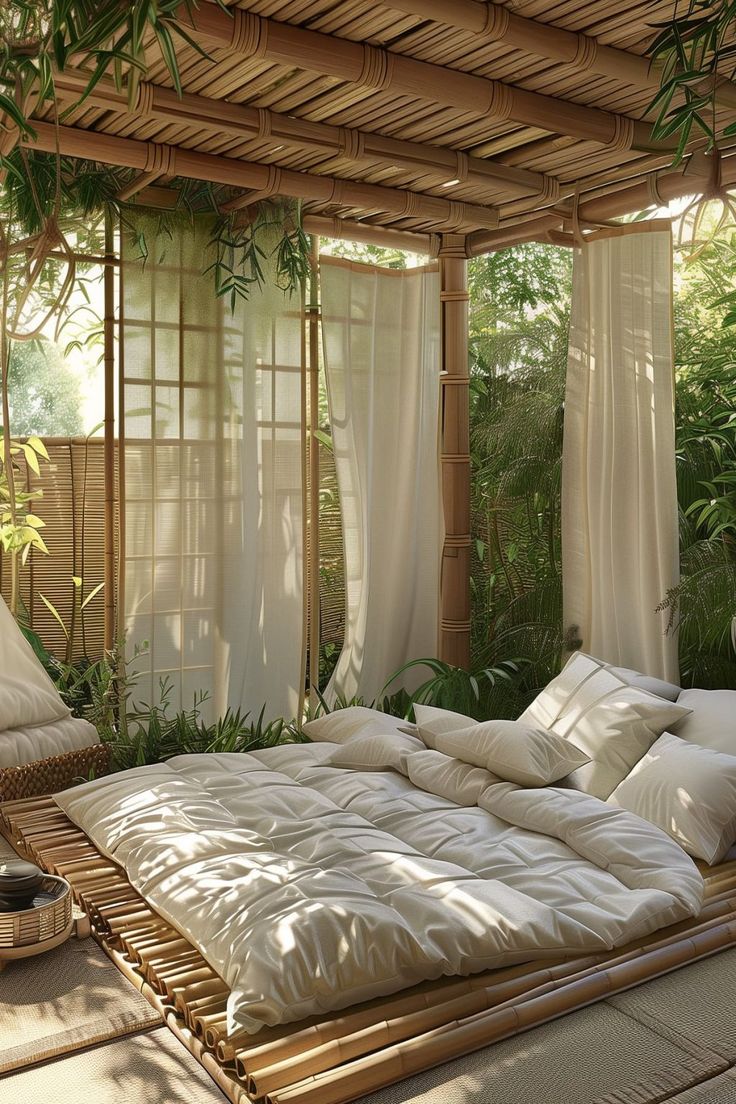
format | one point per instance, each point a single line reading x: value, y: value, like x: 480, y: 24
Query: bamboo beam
x: 352, y: 230
x: 496, y: 23
x: 143, y: 156
x: 218, y: 117
x: 109, y: 429
x: 380, y: 70
x: 323, y: 226
x: 656, y: 189
x: 454, y: 634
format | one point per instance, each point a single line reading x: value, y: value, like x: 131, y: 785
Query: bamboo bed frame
x: 336, y: 1058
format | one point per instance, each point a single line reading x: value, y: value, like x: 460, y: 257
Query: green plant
x: 518, y: 349
x: 79, y: 605
x: 19, y: 526
x: 694, y: 53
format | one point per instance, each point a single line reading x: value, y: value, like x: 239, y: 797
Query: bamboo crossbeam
x: 218, y: 117
x: 657, y: 189
x: 377, y: 69
x: 352, y: 230
x: 133, y: 154
x: 496, y: 23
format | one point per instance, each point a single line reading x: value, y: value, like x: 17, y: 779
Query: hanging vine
x: 50, y: 204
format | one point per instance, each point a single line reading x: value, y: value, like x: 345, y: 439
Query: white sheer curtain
x: 381, y: 334
x: 619, y: 493
x: 212, y: 480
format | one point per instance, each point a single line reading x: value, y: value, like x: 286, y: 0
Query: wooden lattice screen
x: 73, y: 507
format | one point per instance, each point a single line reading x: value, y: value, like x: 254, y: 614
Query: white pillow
x: 458, y: 782
x: 687, y: 791
x: 712, y: 722
x: 612, y: 722
x: 355, y: 720
x: 658, y: 687
x: 516, y: 752
x: 433, y: 721
x: 374, y: 753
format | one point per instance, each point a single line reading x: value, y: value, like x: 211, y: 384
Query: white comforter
x: 310, y: 888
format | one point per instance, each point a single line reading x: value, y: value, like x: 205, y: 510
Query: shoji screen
x: 211, y: 477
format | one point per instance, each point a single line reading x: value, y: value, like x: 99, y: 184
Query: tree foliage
x: 45, y: 395
x: 519, y: 321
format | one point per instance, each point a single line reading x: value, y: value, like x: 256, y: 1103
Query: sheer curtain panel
x: 619, y: 491
x: 381, y: 335
x: 212, y: 479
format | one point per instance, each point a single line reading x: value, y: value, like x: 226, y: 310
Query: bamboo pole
x: 367, y: 66
x: 314, y: 473
x: 454, y: 628
x: 218, y: 117
x: 352, y: 230
x: 133, y: 154
x: 496, y: 23
x: 326, y: 227
x: 109, y: 430
x: 656, y: 189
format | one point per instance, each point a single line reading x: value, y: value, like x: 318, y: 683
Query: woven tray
x: 36, y: 929
x: 58, y: 772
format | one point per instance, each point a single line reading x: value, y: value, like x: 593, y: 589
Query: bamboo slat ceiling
x: 505, y: 118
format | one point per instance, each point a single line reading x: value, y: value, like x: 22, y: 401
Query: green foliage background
x: 519, y: 317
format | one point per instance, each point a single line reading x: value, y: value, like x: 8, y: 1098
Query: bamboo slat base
x: 337, y: 1058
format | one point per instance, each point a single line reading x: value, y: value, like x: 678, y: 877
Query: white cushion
x: 28, y: 697
x: 374, y: 753
x: 612, y: 722
x: 26, y: 745
x: 516, y: 752
x: 712, y: 722
x: 355, y: 720
x: 687, y: 791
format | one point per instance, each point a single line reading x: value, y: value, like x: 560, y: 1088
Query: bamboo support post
x: 454, y: 634
x: 133, y: 154
x: 109, y: 430
x: 372, y: 67
x: 314, y: 473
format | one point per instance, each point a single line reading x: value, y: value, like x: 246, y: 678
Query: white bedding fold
x: 310, y: 888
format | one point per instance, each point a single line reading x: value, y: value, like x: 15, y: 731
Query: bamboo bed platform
x: 340, y: 1057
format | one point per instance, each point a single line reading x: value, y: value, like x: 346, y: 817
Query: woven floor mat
x: 719, y: 1090
x: 696, y: 1003
x: 69, y: 998
x: 141, y: 1069
x: 574, y: 1060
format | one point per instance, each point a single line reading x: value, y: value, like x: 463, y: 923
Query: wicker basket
x: 47, y: 776
x: 34, y: 930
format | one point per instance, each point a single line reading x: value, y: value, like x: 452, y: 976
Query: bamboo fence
x: 336, y: 1058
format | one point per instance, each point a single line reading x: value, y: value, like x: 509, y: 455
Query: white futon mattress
x: 310, y: 888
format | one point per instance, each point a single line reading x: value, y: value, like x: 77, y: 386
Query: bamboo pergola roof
x: 429, y: 116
